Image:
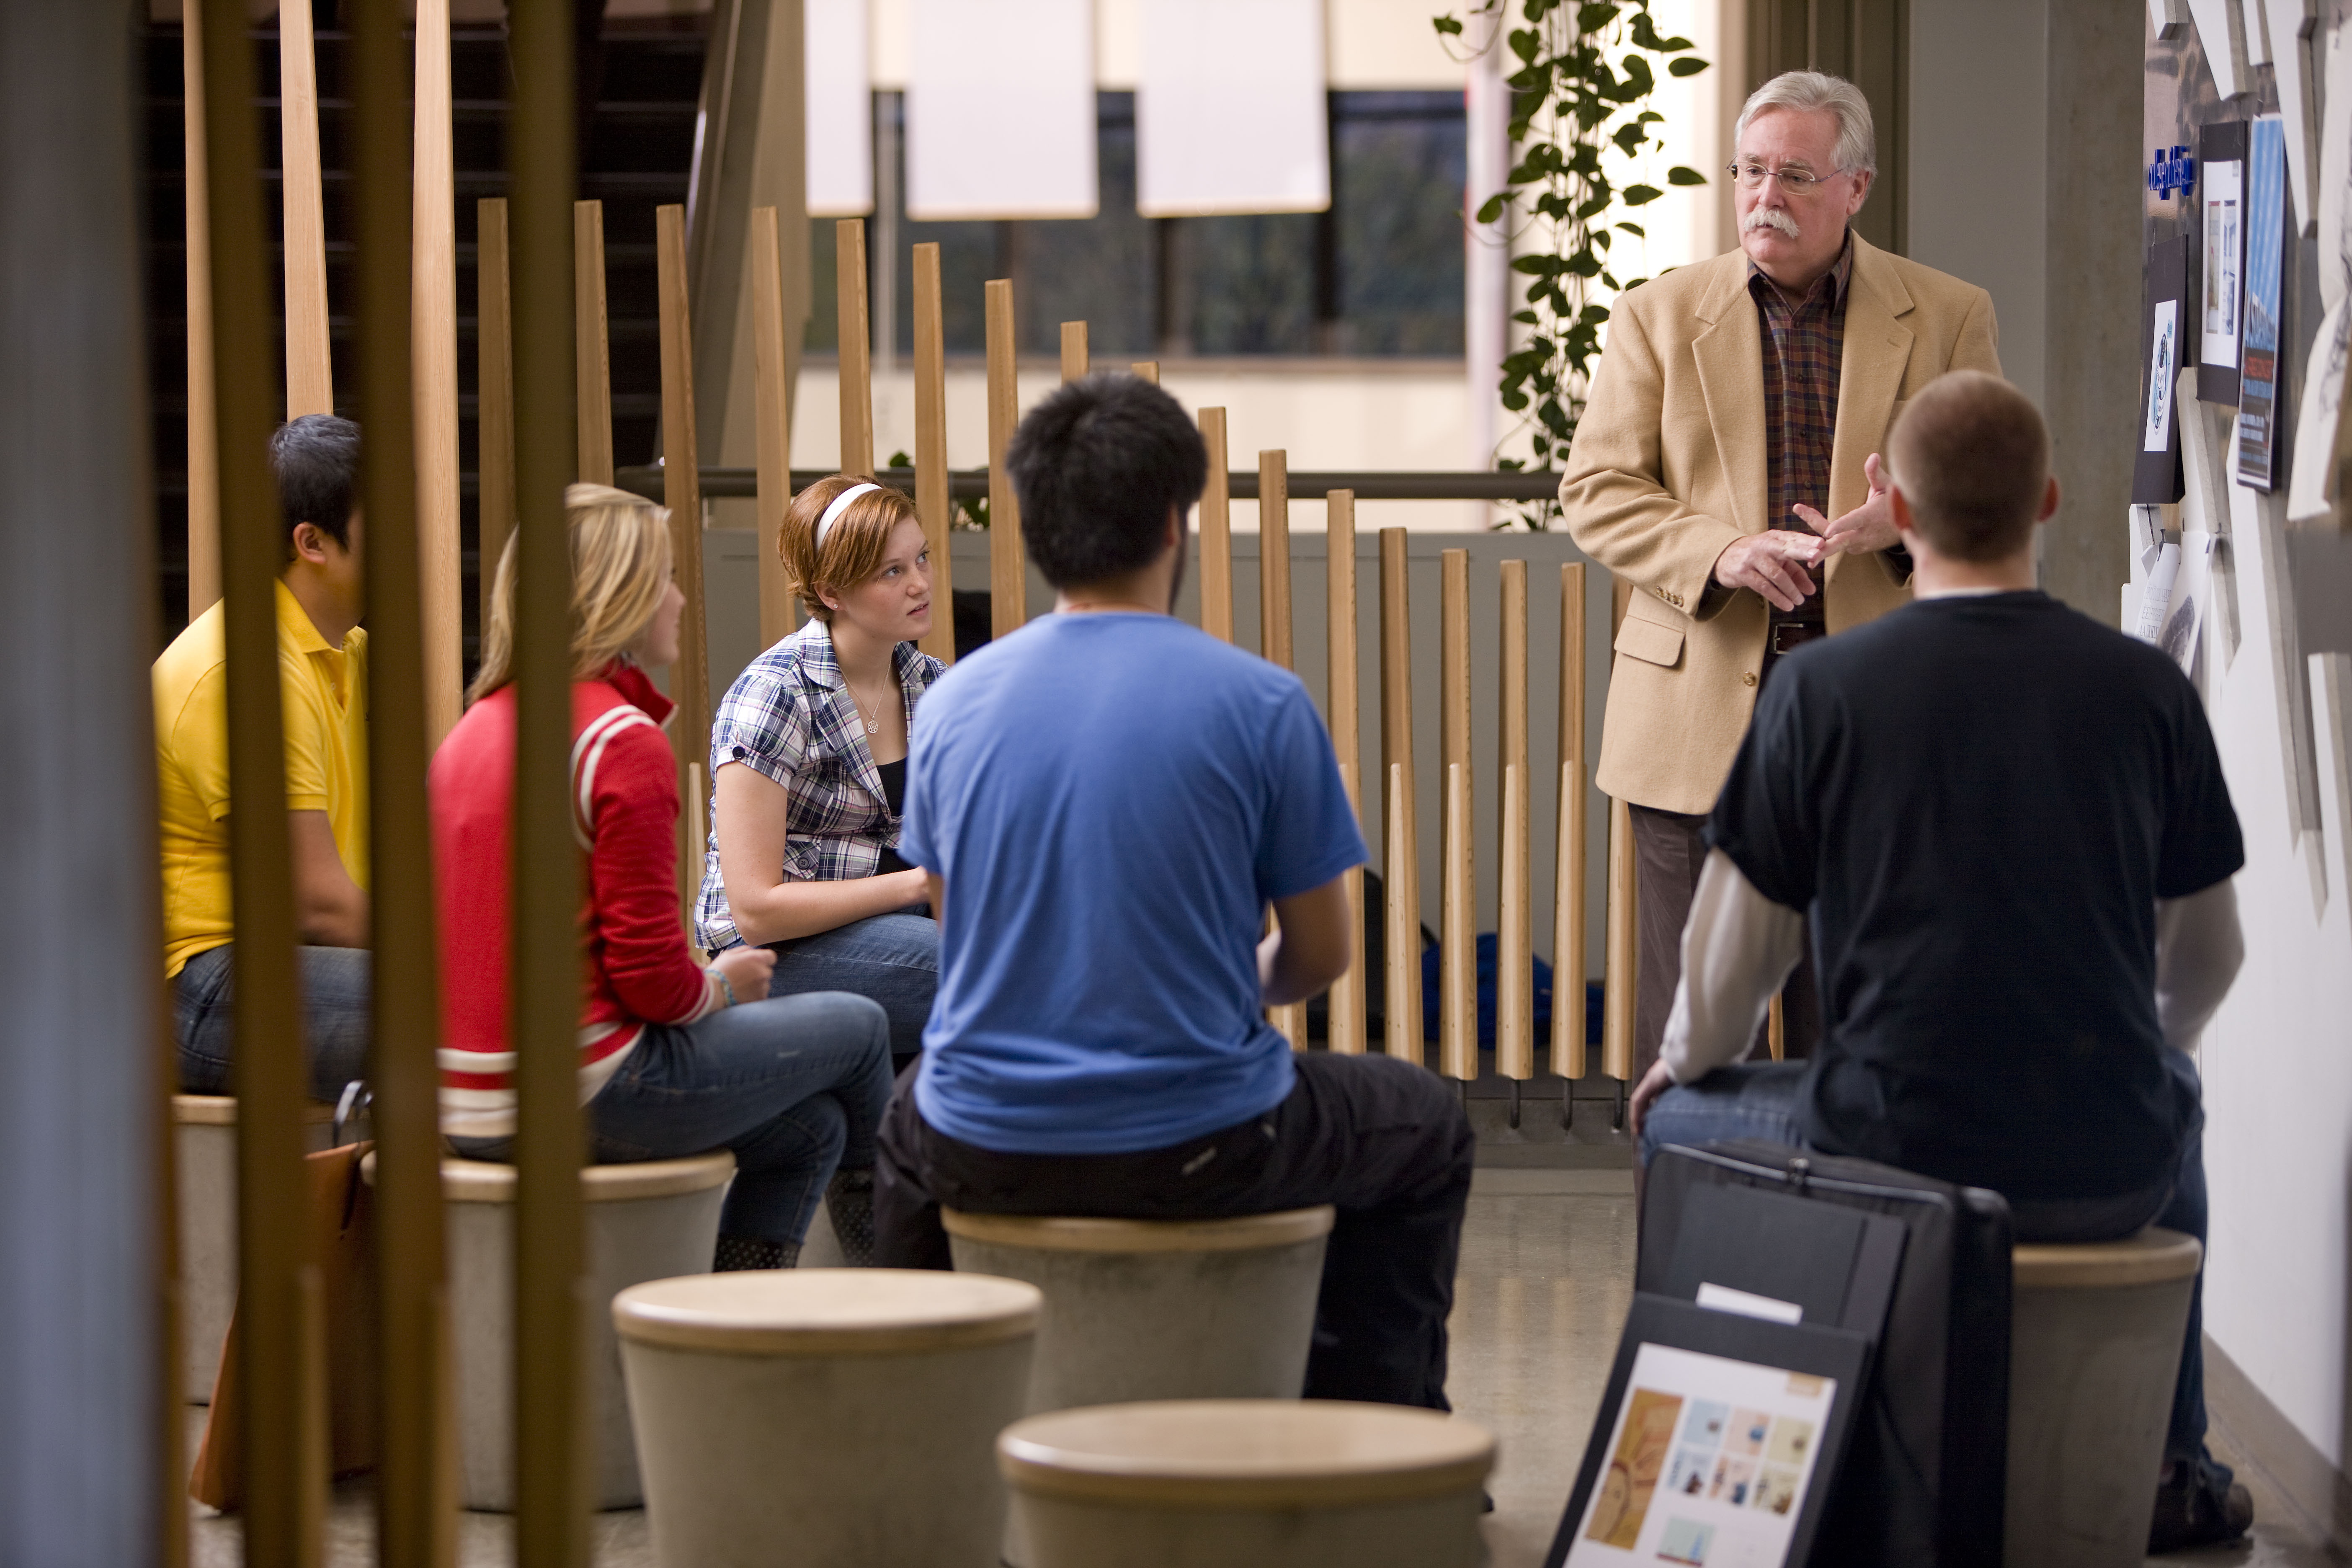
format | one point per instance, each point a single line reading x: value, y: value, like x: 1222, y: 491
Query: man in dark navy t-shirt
x: 1108, y: 803
x: 2010, y: 828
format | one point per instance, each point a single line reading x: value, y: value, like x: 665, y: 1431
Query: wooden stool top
x: 1245, y: 1453
x: 487, y: 1182
x: 1048, y: 1233
x: 220, y: 1110
x: 827, y: 1311
x: 2152, y: 1257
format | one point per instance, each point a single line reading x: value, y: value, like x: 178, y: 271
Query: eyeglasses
x: 1794, y: 182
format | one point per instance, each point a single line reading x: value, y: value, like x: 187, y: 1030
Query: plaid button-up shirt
x: 790, y: 717
x: 1803, y: 343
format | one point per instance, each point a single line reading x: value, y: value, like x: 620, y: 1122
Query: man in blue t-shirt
x: 2010, y: 828
x: 1107, y: 802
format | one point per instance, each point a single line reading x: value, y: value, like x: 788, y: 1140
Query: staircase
x: 636, y: 149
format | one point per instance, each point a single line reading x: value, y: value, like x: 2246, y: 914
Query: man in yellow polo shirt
x: 322, y: 668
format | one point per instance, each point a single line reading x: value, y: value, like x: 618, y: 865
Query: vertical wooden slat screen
x: 857, y: 339
x: 1008, y: 559
x: 278, y: 1280
x: 553, y: 1416
x: 416, y: 1518
x: 1457, y: 959
x: 1074, y: 351
x: 494, y: 390
x: 1149, y: 369
x: 1623, y: 945
x: 591, y: 372
x: 689, y: 678
x: 1345, y: 1024
x: 203, y: 470
x: 434, y: 360
x: 1217, y: 533
x: 1568, y: 961
x: 310, y: 356
x: 1515, y: 997
x: 1402, y: 1006
x: 933, y: 503
x: 1273, y: 635
x: 772, y: 413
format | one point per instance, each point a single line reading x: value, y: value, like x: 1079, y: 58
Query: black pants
x: 1383, y: 1141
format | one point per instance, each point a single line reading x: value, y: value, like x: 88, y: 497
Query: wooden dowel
x: 553, y: 1413
x: 1149, y: 369
x: 493, y: 391
x: 1346, y: 1023
x: 592, y: 343
x: 1216, y: 533
x: 1777, y: 1031
x: 1403, y: 861
x: 310, y: 354
x: 1008, y: 562
x: 285, y: 1464
x: 689, y: 678
x: 932, y: 504
x: 1568, y: 959
x: 402, y: 312
x: 435, y: 351
x: 1515, y: 977
x: 203, y: 471
x: 1274, y: 558
x: 1074, y: 351
x: 1458, y: 921
x: 772, y: 413
x: 856, y: 337
x: 1623, y: 973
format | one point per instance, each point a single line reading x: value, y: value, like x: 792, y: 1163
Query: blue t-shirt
x: 1112, y: 800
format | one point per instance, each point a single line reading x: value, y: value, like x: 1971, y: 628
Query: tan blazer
x: 1668, y: 467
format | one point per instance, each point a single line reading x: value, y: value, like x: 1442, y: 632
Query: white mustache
x: 1771, y: 218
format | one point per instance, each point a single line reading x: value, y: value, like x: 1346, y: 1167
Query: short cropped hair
x: 316, y: 461
x: 1099, y: 466
x: 1806, y: 91
x: 852, y: 547
x: 1972, y: 457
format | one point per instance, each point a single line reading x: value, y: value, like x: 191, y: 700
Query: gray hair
x: 1857, y: 144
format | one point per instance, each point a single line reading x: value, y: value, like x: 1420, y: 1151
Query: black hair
x: 316, y: 461
x: 1098, y: 466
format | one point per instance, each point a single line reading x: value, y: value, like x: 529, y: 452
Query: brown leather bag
x: 341, y: 1227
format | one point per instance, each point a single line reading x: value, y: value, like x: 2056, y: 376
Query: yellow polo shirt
x: 325, y: 703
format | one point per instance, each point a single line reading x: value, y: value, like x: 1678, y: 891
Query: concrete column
x: 83, y: 1395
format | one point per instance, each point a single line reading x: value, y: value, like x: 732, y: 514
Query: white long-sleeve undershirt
x: 1739, y: 946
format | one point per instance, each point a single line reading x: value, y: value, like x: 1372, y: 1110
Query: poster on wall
x: 1716, y: 1441
x: 2222, y: 206
x: 2259, y: 390
x: 2164, y: 323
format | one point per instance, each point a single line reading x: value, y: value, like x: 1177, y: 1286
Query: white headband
x: 840, y: 504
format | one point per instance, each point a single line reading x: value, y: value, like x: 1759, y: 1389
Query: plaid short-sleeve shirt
x: 790, y: 717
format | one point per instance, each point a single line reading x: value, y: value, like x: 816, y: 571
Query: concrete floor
x: 1546, y: 1274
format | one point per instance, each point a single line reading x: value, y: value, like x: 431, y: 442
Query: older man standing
x: 1726, y: 468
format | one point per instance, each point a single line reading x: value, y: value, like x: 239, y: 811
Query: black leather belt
x: 1788, y: 635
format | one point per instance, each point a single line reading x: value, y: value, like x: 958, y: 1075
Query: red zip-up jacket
x: 637, y: 967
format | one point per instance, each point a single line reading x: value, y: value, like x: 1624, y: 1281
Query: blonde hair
x: 620, y: 569
x: 852, y: 547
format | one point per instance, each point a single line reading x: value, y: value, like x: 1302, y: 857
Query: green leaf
x: 1525, y: 43
x: 1447, y: 27
x: 1636, y: 229
x: 1524, y: 317
x: 1640, y: 196
x: 1686, y: 66
x: 1493, y: 208
x: 1680, y: 175
x: 1592, y: 18
x: 1638, y: 78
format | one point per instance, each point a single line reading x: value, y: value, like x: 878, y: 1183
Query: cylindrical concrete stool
x: 828, y: 1417
x: 1136, y: 1309
x: 646, y: 1221
x: 203, y: 1159
x: 2094, y: 1353
x: 1247, y: 1483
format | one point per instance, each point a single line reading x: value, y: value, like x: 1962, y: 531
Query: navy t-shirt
x: 1980, y: 800
x: 1112, y: 800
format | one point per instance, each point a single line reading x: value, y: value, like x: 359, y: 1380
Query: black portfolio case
x: 1922, y: 1479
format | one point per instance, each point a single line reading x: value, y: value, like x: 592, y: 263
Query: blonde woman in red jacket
x: 675, y: 1058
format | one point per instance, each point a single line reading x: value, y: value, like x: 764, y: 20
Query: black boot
x: 737, y: 1253
x: 849, y: 1200
x: 2199, y: 1505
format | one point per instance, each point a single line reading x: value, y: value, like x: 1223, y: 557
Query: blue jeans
x: 795, y: 1085
x: 334, y: 981
x: 893, y: 958
x: 1758, y: 1100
